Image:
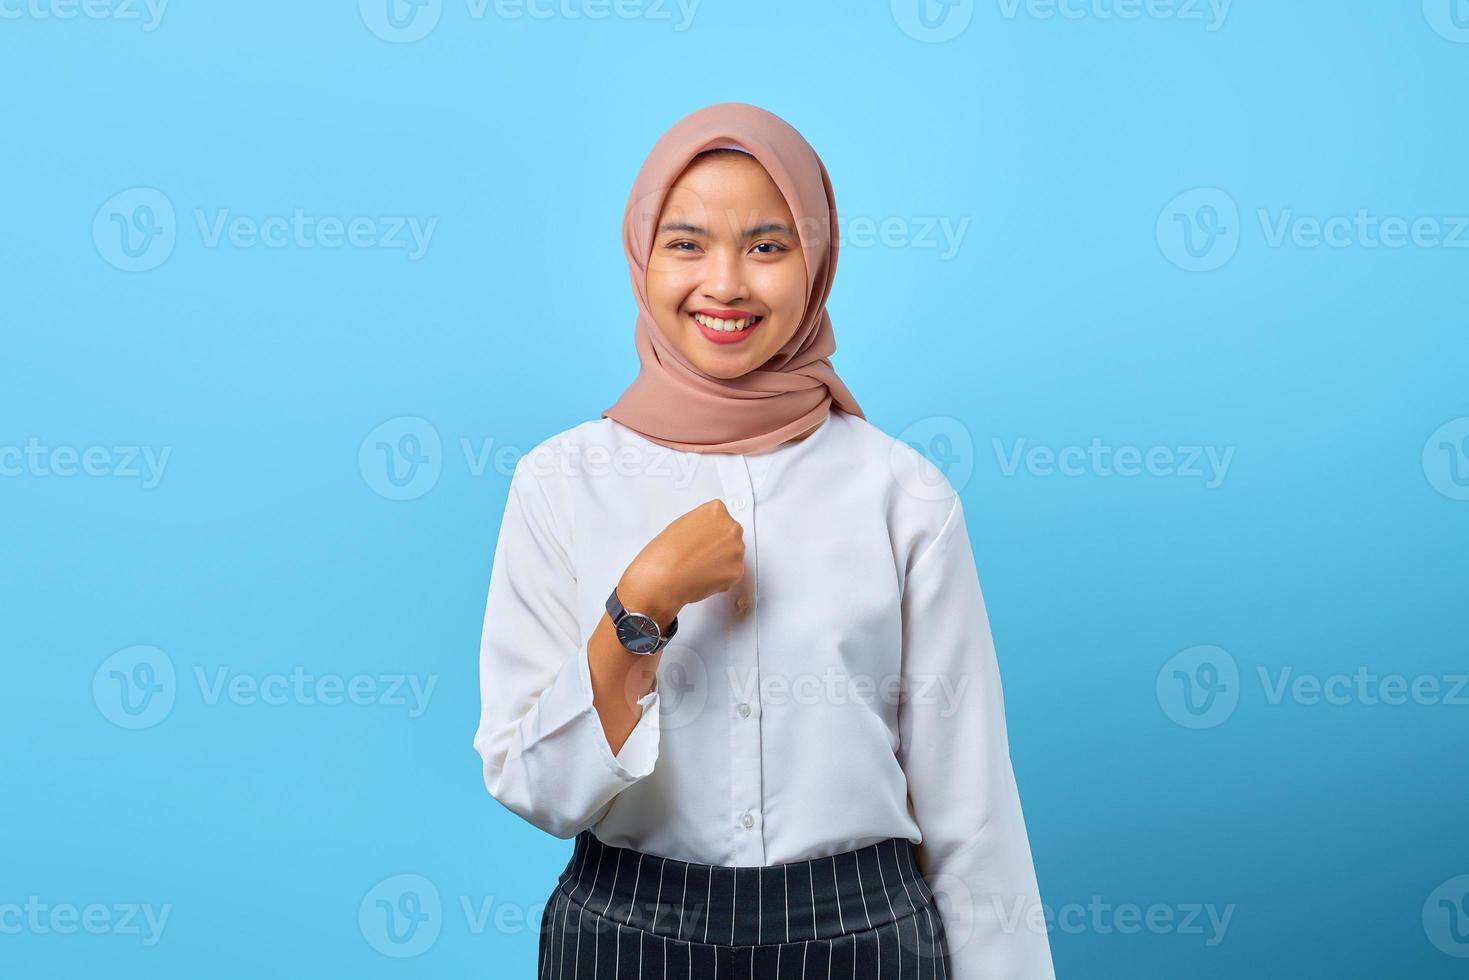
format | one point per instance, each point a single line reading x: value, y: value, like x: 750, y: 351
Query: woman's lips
x: 726, y: 336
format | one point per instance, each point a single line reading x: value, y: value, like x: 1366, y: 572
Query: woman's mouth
x: 725, y: 329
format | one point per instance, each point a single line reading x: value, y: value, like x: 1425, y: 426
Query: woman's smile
x: 725, y: 326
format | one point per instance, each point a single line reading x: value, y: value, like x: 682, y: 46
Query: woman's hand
x: 698, y: 554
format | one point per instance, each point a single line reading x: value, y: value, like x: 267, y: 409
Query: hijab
x: 671, y: 401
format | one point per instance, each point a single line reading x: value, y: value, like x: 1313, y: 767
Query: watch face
x: 638, y: 633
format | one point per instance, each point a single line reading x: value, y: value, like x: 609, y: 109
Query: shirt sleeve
x: 545, y: 754
x: 975, y: 853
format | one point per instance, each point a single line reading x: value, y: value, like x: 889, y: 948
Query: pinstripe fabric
x: 620, y: 914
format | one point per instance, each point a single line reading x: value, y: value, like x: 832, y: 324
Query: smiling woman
x: 724, y: 829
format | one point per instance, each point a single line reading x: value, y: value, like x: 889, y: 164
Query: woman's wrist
x: 639, y: 594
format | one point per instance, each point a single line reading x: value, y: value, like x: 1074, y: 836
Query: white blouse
x: 844, y: 692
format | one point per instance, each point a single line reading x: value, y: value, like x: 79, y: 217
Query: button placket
x: 742, y: 663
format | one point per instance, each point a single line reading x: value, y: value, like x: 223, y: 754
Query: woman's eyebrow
x: 769, y: 227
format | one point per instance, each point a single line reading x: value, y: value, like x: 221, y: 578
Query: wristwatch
x: 637, y: 631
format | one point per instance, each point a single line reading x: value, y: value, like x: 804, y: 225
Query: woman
x: 781, y: 748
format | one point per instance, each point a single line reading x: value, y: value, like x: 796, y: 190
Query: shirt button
x: 744, y: 710
x: 747, y: 821
x: 742, y: 603
x: 740, y: 502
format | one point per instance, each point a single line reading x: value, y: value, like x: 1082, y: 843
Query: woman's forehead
x: 725, y: 196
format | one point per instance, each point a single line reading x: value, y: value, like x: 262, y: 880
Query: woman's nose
x: 726, y: 279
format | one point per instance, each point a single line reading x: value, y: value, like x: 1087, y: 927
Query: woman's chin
x: 723, y: 361
x: 724, y: 367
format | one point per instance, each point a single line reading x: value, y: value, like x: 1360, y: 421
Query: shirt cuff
x: 640, y: 751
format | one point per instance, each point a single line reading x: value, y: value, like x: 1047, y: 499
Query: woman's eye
x: 678, y: 246
x: 774, y: 246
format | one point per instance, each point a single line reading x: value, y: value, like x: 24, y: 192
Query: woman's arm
x: 621, y: 678
x: 564, y: 727
x: 955, y: 751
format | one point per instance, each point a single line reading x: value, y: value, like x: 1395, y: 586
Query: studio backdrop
x: 1172, y: 292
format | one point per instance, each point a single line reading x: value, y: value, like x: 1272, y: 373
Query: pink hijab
x: 671, y: 401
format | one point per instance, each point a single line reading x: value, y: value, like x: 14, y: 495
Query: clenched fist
x: 700, y: 553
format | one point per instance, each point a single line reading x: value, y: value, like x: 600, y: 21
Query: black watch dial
x: 638, y: 633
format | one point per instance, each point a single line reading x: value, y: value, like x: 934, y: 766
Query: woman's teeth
x: 728, y: 326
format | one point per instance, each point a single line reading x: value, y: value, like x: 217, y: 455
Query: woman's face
x: 726, y: 254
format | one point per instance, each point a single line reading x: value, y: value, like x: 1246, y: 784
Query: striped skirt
x: 620, y: 914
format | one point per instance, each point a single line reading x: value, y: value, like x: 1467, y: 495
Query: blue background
x: 1336, y: 540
